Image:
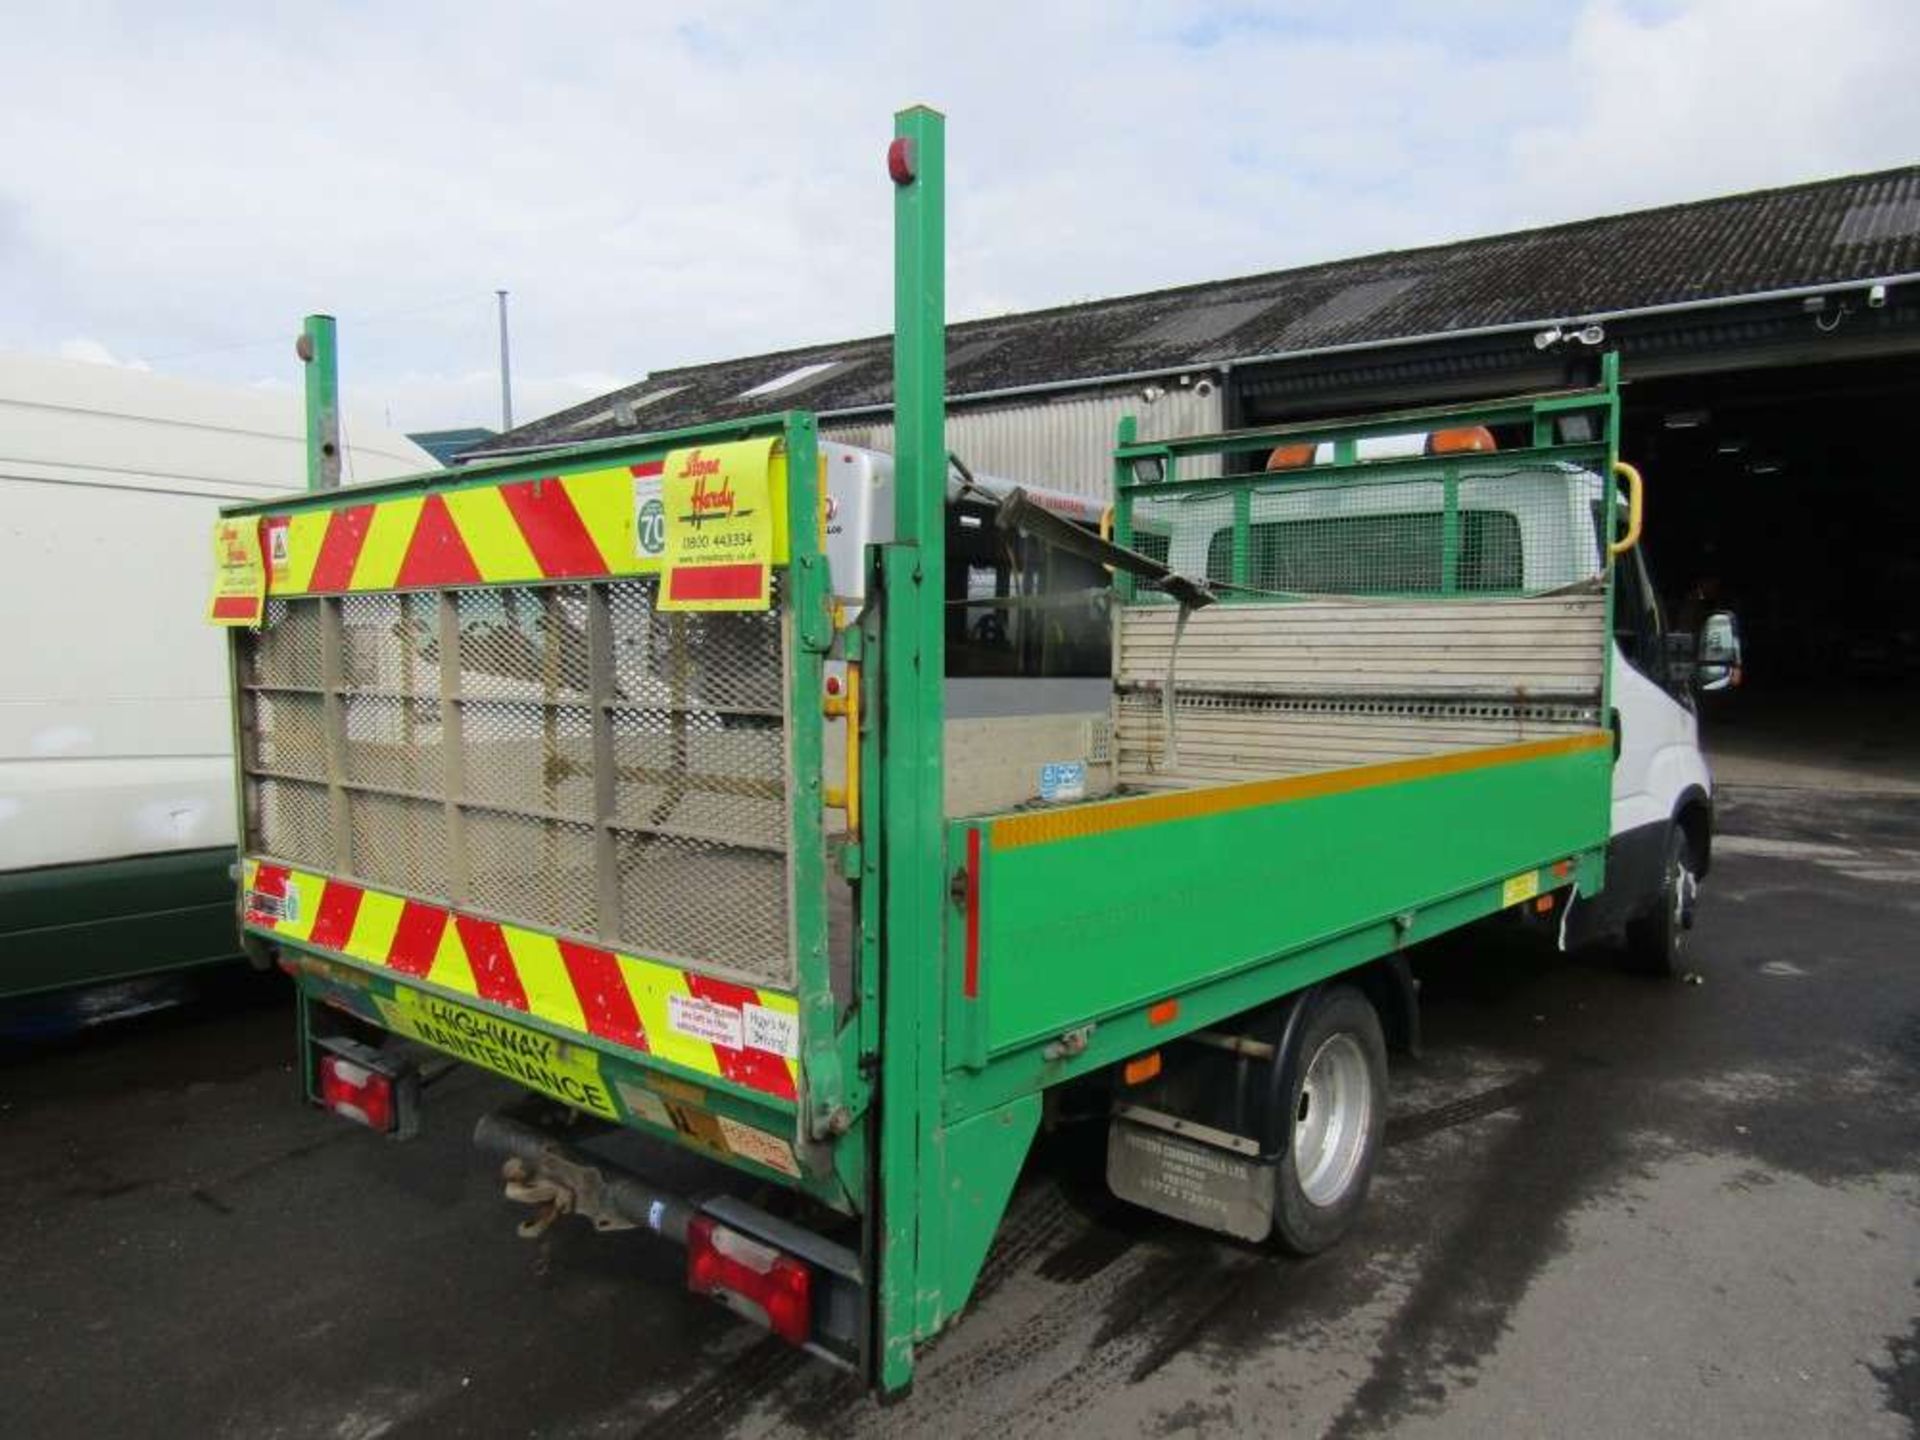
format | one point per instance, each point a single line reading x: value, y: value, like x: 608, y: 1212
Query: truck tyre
x: 1338, y: 1100
x: 1657, y: 940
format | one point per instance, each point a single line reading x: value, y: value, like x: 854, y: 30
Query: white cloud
x: 664, y: 184
x: 1726, y: 95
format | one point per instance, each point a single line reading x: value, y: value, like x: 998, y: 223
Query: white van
x: 116, y: 809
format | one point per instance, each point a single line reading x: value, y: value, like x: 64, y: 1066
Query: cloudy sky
x: 663, y: 183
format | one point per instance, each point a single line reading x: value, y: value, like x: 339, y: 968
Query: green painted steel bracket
x: 825, y: 1113
x: 972, y: 1167
x: 913, y: 595
x: 320, y: 352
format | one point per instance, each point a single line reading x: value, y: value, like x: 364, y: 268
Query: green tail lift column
x: 991, y: 958
x: 943, y: 1180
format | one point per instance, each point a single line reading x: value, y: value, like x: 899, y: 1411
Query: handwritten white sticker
x: 703, y: 1020
x: 772, y: 1030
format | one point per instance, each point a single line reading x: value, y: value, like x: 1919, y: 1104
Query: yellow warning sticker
x: 568, y: 1073
x: 1520, y: 887
x: 719, y: 527
x: 239, y: 574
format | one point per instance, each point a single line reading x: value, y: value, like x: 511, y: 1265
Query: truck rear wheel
x: 1338, y: 1101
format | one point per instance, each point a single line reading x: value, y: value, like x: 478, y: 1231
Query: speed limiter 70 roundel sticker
x: 649, y: 514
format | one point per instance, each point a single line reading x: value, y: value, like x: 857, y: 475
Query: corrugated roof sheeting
x: 1828, y: 232
x: 1064, y: 441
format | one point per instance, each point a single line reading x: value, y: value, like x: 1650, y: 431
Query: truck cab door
x: 1659, y: 760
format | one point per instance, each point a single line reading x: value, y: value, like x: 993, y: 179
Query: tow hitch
x: 805, y: 1288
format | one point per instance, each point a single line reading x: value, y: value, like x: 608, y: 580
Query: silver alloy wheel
x: 1334, y: 1119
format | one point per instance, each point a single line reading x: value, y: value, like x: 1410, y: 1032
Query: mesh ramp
x: 563, y: 757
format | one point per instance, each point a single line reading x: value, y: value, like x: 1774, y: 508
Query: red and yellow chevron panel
x: 574, y: 525
x: 709, y: 1026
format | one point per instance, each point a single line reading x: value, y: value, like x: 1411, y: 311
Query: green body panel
x: 1075, y: 930
x: 63, y: 925
x: 1208, y: 1003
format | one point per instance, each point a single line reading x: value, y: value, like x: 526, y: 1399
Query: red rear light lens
x: 358, y: 1092
x: 756, y: 1279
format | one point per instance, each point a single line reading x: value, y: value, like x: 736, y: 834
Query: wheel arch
x: 1693, y: 813
x: 1390, y: 985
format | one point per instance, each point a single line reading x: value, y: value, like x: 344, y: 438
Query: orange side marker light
x: 1143, y: 1069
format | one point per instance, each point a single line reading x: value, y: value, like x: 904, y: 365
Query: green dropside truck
x: 514, y: 790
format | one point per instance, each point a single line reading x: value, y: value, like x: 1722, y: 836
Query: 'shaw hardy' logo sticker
x: 708, y: 501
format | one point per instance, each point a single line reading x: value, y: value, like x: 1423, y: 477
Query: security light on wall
x: 1149, y: 470
x: 1559, y: 335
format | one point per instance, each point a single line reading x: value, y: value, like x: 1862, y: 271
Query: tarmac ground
x: 1607, y: 1206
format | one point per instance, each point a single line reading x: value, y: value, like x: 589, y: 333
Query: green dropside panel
x: 1087, y: 925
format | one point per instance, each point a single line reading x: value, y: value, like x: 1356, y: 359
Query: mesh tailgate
x: 566, y: 757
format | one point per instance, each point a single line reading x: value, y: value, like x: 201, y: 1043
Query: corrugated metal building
x: 1037, y: 394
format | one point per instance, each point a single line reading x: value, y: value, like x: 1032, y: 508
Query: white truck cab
x: 1532, y: 529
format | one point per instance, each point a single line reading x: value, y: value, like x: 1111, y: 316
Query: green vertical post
x: 321, y: 358
x: 1127, y: 433
x: 1241, y: 568
x: 912, y: 790
x: 1610, y: 382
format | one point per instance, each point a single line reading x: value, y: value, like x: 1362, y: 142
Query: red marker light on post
x: 900, y: 161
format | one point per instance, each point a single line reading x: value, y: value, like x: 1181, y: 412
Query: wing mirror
x: 1716, y: 656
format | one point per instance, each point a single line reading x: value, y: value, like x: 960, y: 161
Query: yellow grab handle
x: 1636, y: 501
x: 847, y: 707
x: 1106, y: 531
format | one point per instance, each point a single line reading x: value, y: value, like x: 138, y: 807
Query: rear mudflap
x: 1190, y: 1172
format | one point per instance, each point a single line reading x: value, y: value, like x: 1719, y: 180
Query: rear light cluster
x: 360, y: 1093
x: 758, y: 1281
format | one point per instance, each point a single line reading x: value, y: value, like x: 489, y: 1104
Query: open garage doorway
x: 1792, y: 497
